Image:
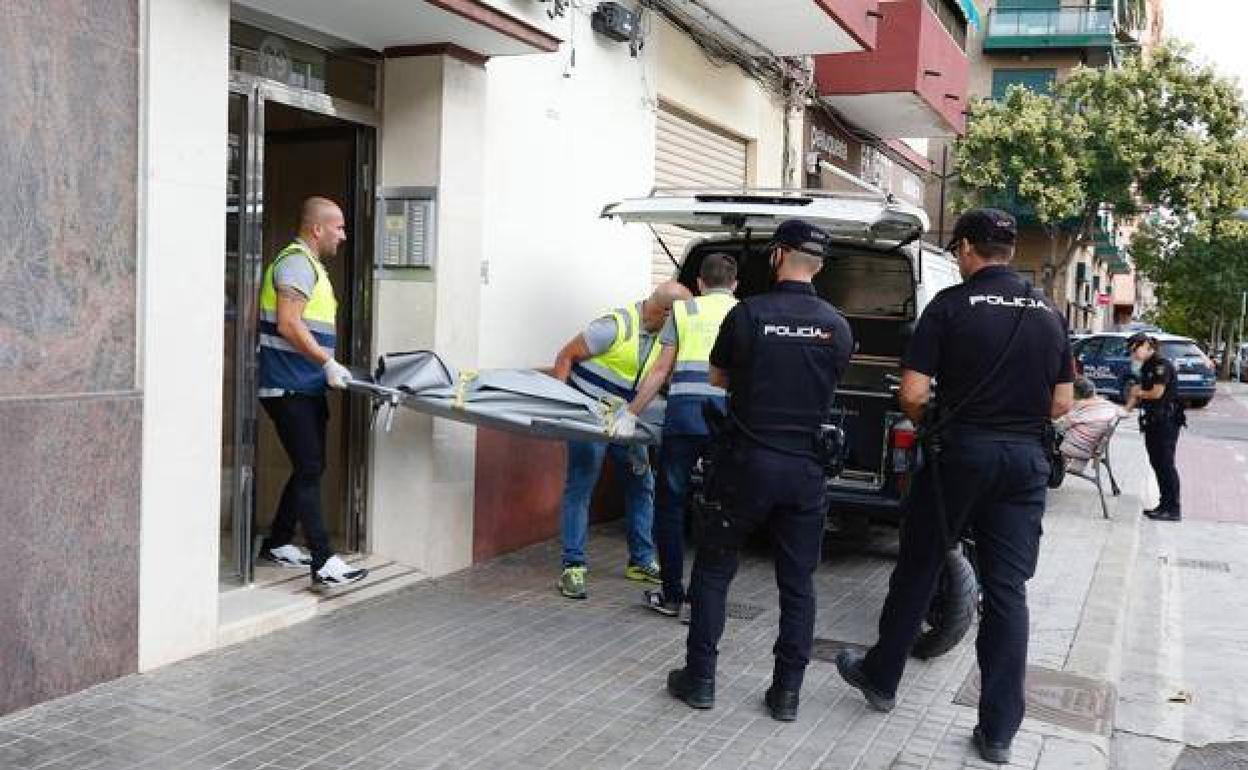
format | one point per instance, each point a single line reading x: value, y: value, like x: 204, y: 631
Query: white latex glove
x: 625, y: 424
x: 336, y: 374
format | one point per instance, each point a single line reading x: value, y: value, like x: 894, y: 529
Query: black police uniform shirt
x: 785, y: 352
x: 966, y: 328
x: 1157, y: 370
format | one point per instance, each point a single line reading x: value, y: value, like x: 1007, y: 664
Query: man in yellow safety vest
x: 298, y: 339
x: 607, y: 361
x: 686, y: 343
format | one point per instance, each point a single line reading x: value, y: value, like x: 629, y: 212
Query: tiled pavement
x: 490, y: 668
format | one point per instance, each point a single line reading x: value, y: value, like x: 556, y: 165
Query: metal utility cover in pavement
x: 827, y: 649
x: 742, y: 611
x: 1200, y: 564
x: 1059, y: 698
x: 1215, y: 756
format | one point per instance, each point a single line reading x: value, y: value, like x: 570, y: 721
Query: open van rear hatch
x: 862, y: 218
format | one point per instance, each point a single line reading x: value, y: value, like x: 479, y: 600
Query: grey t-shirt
x: 600, y: 336
x: 295, y: 272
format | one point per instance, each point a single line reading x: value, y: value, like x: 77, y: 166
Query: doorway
x: 283, y: 148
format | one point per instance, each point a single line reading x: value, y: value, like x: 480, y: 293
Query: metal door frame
x: 256, y: 92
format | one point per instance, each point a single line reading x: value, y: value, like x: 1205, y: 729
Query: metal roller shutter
x: 690, y: 154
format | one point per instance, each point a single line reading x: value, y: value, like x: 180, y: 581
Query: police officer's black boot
x: 696, y: 691
x: 781, y: 704
x: 849, y: 664
x: 996, y: 752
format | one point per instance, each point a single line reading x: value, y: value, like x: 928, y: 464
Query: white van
x: 879, y: 274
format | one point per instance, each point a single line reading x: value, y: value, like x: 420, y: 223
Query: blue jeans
x: 676, y: 459
x: 632, y: 467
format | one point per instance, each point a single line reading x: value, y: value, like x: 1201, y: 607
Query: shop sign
x: 892, y: 177
x: 825, y: 142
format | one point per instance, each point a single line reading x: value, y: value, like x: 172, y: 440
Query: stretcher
x: 523, y: 401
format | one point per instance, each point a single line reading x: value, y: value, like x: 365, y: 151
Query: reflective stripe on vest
x: 613, y: 375
x: 697, y: 326
x: 282, y: 367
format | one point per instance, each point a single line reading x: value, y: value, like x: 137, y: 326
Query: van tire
x: 953, y: 608
x: 1199, y: 403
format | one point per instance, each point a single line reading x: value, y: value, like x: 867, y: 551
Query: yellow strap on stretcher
x: 466, y: 378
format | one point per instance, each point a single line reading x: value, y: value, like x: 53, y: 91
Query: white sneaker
x: 337, y: 572
x: 289, y: 556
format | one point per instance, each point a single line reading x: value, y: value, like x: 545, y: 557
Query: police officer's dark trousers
x: 786, y: 494
x: 1161, y: 437
x: 300, y: 421
x: 996, y: 483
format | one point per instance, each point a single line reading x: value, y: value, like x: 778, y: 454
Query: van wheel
x: 953, y: 608
x: 1199, y: 403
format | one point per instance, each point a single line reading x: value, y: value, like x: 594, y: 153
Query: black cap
x: 1140, y: 338
x: 803, y: 236
x: 985, y: 226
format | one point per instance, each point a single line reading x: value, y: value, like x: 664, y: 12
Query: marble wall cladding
x: 70, y: 416
x: 69, y: 511
x: 68, y: 183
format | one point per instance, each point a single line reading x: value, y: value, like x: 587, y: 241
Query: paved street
x: 490, y: 668
x: 1186, y: 657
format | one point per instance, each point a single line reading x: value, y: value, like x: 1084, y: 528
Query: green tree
x: 1199, y: 271
x: 1158, y: 131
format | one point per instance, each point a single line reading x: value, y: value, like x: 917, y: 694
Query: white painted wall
x: 561, y: 141
x: 182, y: 170
x: 424, y: 470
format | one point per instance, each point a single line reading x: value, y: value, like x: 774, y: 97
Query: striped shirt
x: 1084, y: 425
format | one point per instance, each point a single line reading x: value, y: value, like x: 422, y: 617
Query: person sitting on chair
x: 1083, y: 427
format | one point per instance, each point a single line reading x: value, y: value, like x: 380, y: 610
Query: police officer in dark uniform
x: 780, y: 356
x: 1161, y: 418
x: 1001, y: 361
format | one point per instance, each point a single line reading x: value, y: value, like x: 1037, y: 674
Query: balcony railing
x: 1069, y: 27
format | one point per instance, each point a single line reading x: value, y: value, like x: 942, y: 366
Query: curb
x: 1098, y: 646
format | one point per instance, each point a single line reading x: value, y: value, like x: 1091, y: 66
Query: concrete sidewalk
x: 490, y: 668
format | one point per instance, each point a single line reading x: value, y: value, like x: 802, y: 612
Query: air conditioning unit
x: 614, y: 21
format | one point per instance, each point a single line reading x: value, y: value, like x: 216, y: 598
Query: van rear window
x: 870, y: 284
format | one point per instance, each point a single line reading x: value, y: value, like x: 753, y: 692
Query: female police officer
x: 1001, y: 361
x: 780, y: 356
x: 1161, y: 417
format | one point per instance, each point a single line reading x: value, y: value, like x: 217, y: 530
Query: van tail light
x: 903, y: 443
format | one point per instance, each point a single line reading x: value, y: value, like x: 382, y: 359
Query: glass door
x: 243, y: 207
x: 312, y: 145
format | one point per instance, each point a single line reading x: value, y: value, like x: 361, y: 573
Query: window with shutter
x: 1038, y: 80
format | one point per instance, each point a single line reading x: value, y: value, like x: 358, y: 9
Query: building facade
x: 155, y: 156
x: 1035, y: 43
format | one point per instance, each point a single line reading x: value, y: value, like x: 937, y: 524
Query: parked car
x: 878, y: 274
x: 1103, y: 359
x: 1241, y: 364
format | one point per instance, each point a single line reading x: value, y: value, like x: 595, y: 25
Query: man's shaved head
x: 655, y: 309
x: 322, y: 226
x: 317, y: 211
